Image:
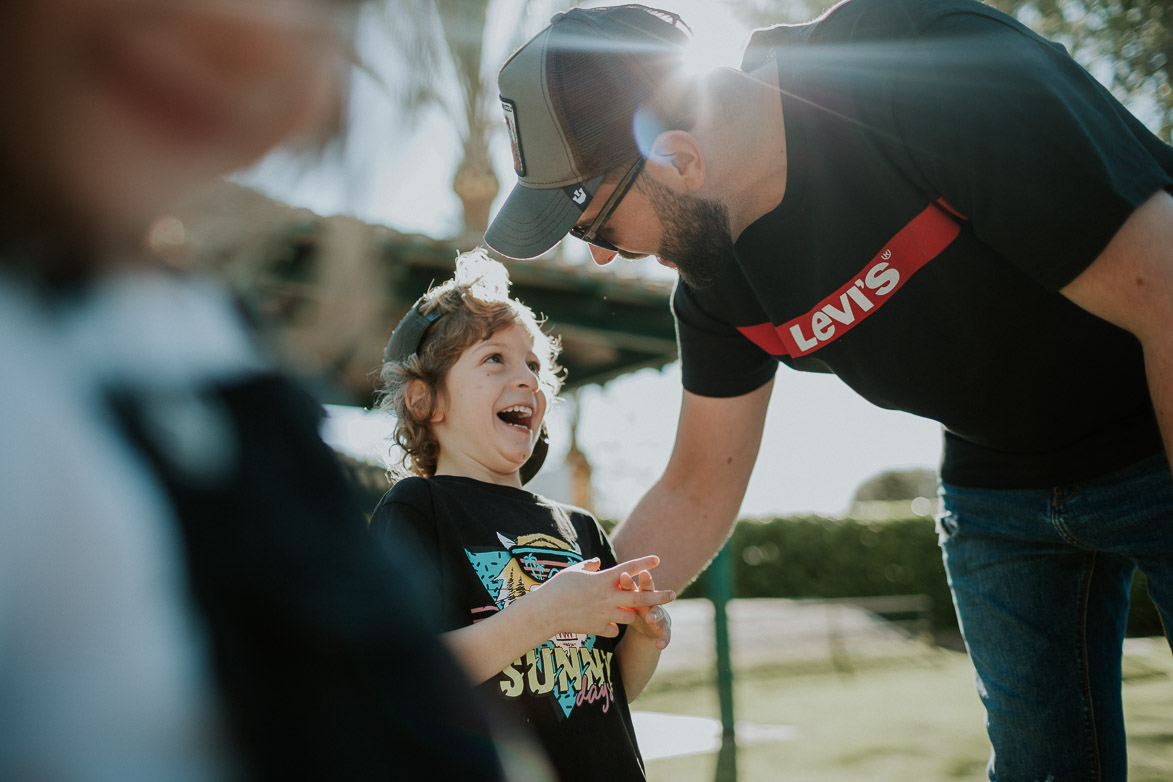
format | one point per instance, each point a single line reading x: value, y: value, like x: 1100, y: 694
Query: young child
x: 531, y: 599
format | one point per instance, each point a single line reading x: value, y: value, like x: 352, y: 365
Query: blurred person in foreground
x: 947, y: 212
x: 187, y: 590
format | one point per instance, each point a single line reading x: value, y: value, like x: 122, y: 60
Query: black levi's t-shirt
x: 948, y: 172
x: 478, y: 547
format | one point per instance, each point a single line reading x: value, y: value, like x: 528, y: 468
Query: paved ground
x: 762, y: 633
x: 805, y: 636
x: 769, y: 632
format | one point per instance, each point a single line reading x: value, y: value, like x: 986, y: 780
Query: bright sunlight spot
x: 718, y: 39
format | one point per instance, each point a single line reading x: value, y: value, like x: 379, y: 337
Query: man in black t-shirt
x: 943, y: 209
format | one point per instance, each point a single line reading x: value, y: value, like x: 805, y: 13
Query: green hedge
x: 814, y: 556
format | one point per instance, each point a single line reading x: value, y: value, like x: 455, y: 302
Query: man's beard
x: 696, y: 238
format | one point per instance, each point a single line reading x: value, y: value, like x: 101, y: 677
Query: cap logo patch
x: 514, y: 137
x: 578, y: 194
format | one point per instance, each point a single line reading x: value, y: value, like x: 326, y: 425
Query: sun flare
x: 718, y: 38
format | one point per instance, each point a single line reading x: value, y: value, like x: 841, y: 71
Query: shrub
x: 815, y: 556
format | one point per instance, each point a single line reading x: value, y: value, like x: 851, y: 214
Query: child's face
x: 492, y: 409
x: 114, y: 109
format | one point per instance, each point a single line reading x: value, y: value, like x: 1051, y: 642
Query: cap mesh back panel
x: 602, y: 66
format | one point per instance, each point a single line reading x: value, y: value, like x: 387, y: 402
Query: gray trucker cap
x: 570, y: 96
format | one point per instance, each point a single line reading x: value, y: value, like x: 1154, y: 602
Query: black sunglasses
x: 591, y: 232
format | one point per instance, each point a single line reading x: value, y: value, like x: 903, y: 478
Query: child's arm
x: 580, y: 599
x: 647, y: 635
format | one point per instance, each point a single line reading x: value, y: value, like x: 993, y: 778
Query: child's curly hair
x: 474, y: 305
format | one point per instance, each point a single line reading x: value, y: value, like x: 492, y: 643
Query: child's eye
x: 534, y: 367
x: 494, y: 358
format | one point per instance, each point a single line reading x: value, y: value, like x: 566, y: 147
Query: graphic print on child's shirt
x: 568, y: 668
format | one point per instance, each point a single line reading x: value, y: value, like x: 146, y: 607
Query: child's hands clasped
x: 584, y: 599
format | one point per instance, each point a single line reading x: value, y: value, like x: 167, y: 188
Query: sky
x: 821, y: 440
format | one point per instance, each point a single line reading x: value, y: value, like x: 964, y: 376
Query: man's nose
x: 602, y: 256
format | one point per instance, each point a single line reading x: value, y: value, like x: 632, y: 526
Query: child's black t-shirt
x: 480, y: 546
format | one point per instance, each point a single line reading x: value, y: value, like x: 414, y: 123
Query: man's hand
x: 652, y: 623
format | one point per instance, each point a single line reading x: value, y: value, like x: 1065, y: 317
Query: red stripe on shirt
x: 903, y: 255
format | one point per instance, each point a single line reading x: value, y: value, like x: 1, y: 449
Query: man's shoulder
x: 879, y: 17
x: 857, y: 21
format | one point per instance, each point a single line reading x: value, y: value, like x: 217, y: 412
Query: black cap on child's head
x: 571, y: 96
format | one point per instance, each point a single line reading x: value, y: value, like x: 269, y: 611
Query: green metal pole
x: 721, y: 582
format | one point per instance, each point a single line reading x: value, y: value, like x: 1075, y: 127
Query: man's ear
x: 679, y: 151
x: 420, y: 398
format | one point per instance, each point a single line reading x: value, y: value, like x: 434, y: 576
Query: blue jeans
x: 1040, y: 582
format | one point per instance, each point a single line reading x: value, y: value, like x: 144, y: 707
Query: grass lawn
x: 914, y: 719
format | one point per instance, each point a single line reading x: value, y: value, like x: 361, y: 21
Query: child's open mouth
x: 518, y: 416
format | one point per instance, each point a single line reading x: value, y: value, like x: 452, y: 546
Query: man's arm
x: 1130, y: 284
x: 686, y: 516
